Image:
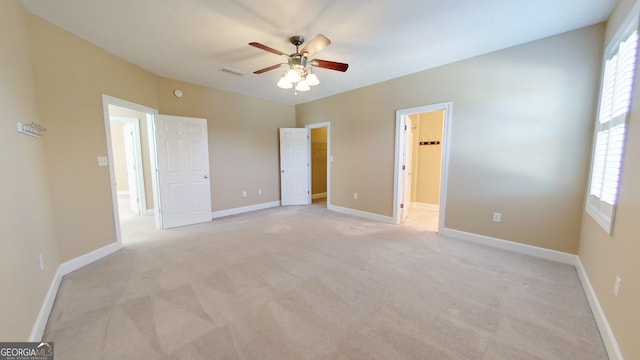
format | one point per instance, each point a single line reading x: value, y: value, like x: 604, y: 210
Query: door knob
x: 206, y: 176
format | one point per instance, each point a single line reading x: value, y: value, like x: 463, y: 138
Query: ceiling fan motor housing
x: 297, y: 41
x: 298, y: 61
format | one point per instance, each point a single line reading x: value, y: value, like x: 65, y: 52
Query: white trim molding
x: 553, y: 255
x: 65, y: 268
x: 608, y: 337
x: 361, y: 214
x: 244, y: 209
x: 45, y: 310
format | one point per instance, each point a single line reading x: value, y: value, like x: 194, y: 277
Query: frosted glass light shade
x: 312, y: 79
x: 284, y: 83
x: 302, y: 86
x: 293, y: 76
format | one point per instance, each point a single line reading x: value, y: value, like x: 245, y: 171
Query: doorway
x: 131, y: 153
x: 422, y: 148
x: 320, y: 159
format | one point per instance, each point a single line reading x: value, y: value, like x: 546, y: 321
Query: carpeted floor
x: 306, y: 283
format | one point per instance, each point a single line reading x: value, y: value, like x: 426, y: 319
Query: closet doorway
x: 320, y: 163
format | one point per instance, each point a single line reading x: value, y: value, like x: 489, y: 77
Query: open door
x: 407, y: 164
x: 183, y: 170
x: 295, y: 170
x: 134, y: 165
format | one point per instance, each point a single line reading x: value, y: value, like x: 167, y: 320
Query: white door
x: 129, y: 129
x: 295, y: 170
x: 406, y: 170
x: 183, y: 170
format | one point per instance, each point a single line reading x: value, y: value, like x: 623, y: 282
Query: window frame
x: 600, y: 210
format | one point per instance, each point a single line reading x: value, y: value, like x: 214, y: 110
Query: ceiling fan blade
x: 266, y: 48
x: 273, y: 67
x: 331, y: 65
x: 316, y: 44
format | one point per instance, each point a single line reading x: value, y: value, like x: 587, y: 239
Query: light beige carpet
x: 306, y: 283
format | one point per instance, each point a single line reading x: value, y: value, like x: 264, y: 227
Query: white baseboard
x: 72, y: 265
x: 319, y: 195
x: 609, y: 339
x: 244, y: 209
x: 553, y: 255
x: 150, y: 212
x: 425, y: 206
x: 43, y: 316
x: 122, y: 192
x: 88, y: 258
x: 362, y: 214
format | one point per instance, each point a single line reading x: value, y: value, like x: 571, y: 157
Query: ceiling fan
x: 300, y: 65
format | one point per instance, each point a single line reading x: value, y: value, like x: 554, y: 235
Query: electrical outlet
x: 497, y: 217
x: 616, y: 286
x: 41, y: 262
x: 355, y: 196
x: 103, y: 161
x: 244, y: 194
x: 259, y: 191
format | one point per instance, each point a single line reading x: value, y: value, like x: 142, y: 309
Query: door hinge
x: 401, y: 206
x: 404, y: 167
x: 405, y: 128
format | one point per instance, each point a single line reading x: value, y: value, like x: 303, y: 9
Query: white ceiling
x: 193, y: 40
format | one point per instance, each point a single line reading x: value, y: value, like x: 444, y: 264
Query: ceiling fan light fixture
x: 299, y: 74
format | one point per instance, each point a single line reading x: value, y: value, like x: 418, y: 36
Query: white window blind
x: 615, y: 100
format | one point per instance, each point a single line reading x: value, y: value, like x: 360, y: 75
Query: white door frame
x: 326, y: 124
x: 150, y: 112
x: 446, y: 136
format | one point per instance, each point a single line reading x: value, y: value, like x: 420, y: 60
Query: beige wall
x: 26, y: 216
x: 318, y: 160
x: 605, y: 257
x: 520, y: 138
x: 427, y: 159
x: 243, y: 140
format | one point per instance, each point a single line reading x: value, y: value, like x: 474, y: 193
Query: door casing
x: 150, y: 112
x: 446, y: 136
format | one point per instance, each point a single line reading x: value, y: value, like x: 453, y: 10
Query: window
x: 611, y: 124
